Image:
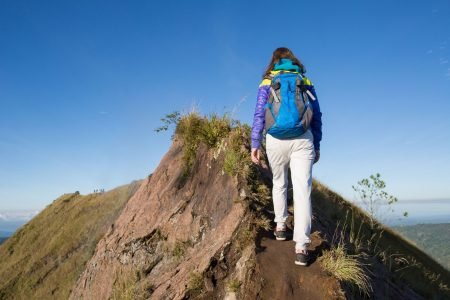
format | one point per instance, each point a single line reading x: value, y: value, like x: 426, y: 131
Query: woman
x: 298, y: 151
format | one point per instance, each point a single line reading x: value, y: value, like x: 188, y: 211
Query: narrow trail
x: 282, y: 278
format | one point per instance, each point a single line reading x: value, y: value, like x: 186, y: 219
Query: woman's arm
x: 259, y: 116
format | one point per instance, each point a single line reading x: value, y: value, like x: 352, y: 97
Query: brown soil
x: 282, y: 279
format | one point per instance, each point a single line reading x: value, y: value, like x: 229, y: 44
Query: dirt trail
x: 282, y: 279
x: 285, y: 280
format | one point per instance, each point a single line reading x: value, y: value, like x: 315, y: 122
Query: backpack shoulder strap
x: 268, y: 81
x: 269, y: 77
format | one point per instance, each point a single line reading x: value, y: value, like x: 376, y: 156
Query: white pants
x: 298, y: 154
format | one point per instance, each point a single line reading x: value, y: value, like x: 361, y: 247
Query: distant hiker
x: 288, y: 109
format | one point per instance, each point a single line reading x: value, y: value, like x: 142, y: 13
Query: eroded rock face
x: 168, y: 232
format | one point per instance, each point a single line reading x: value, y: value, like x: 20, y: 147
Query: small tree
x: 374, y: 198
x: 170, y: 119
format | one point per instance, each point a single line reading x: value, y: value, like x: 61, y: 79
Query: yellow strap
x: 267, y: 81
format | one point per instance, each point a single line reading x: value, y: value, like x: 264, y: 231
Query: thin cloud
x: 103, y: 112
x: 429, y: 51
x: 18, y: 215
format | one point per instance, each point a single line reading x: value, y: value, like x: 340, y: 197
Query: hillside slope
x: 43, y: 259
x: 397, y: 268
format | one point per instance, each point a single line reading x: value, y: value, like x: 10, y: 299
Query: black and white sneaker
x: 280, y: 234
x: 301, y: 258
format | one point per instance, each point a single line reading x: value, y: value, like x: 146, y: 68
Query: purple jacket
x: 259, y: 116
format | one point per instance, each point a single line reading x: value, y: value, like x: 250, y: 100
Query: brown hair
x: 280, y: 53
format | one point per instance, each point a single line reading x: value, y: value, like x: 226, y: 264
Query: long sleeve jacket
x: 259, y: 116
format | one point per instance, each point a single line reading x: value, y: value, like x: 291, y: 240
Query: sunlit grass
x: 346, y: 268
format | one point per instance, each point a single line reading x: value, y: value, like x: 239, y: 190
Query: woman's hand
x: 316, y: 159
x: 256, y: 155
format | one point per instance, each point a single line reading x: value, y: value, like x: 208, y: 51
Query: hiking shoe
x: 280, y: 235
x: 301, y: 258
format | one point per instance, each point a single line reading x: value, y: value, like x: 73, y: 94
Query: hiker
x: 288, y: 110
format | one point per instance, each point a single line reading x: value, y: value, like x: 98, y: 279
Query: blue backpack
x: 288, y: 110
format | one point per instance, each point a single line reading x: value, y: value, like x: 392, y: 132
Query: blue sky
x: 83, y: 84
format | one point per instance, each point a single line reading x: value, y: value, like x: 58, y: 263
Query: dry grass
x: 125, y: 286
x: 179, y: 249
x: 234, y: 285
x: 194, y: 129
x: 217, y: 132
x: 237, y: 161
x: 262, y: 222
x: 195, y: 285
x: 346, y: 268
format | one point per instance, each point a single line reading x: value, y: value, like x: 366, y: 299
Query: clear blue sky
x: 83, y: 84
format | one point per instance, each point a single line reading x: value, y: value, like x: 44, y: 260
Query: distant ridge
x: 434, y: 239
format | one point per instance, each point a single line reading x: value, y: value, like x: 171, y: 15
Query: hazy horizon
x: 10, y: 220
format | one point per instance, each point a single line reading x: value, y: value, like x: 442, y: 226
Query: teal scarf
x: 286, y: 64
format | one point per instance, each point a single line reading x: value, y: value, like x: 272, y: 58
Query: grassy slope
x: 432, y: 238
x: 404, y: 261
x: 44, y: 258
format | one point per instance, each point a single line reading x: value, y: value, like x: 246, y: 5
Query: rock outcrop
x: 168, y: 233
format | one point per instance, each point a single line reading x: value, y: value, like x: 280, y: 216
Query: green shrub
x: 194, y: 129
x: 237, y: 158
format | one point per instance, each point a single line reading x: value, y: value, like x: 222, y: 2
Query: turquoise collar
x: 286, y: 64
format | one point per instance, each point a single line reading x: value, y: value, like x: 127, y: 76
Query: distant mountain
x: 11, y: 220
x: 6, y: 233
x: 2, y: 239
x: 431, y: 238
x: 10, y: 226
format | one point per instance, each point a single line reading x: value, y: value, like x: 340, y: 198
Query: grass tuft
x: 179, y: 249
x: 195, y: 285
x: 217, y: 132
x: 234, y: 285
x: 194, y: 129
x: 346, y: 268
